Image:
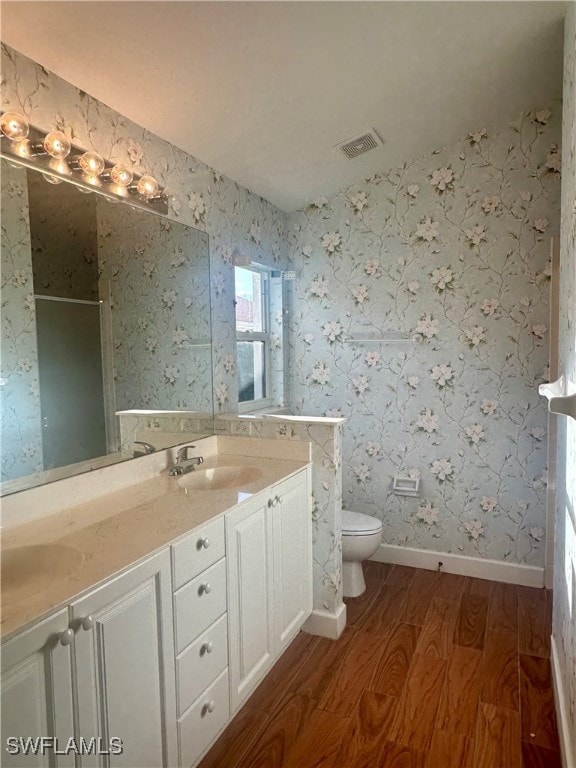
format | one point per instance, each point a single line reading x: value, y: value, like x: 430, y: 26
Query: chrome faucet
x: 147, y: 448
x: 183, y: 463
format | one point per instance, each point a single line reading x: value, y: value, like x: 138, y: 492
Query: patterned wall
x: 564, y: 619
x: 454, y: 247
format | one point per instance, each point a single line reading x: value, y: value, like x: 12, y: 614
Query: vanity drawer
x: 198, y: 551
x: 201, y: 663
x: 202, y: 722
x: 199, y: 603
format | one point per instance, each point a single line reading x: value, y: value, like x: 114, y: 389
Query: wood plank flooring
x: 432, y: 671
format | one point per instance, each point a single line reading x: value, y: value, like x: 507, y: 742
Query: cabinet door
x: 250, y: 586
x: 36, y: 690
x: 292, y: 522
x: 124, y: 651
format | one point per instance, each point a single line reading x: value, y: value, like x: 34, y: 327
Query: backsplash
x: 454, y: 247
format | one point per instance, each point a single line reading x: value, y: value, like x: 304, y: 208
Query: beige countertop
x: 118, y: 529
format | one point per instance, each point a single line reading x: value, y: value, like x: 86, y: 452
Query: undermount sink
x: 218, y: 478
x: 29, y: 570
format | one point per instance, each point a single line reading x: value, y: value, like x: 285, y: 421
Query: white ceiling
x: 262, y: 91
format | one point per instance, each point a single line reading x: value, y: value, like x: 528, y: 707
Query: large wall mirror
x: 106, y: 339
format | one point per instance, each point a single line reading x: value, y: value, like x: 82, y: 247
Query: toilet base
x: 353, y: 583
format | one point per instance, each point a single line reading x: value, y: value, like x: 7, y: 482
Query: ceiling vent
x: 360, y: 144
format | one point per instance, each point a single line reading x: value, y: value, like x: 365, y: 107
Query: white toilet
x: 361, y: 537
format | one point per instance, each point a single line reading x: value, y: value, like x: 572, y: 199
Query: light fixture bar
x: 55, y: 156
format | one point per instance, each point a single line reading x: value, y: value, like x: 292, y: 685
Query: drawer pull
x: 66, y: 637
x: 207, y: 647
x: 210, y: 706
x: 205, y: 589
x: 203, y: 543
x: 88, y: 623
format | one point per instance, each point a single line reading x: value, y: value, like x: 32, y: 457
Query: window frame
x: 265, y: 274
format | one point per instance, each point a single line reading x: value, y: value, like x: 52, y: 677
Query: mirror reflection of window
x: 252, y: 299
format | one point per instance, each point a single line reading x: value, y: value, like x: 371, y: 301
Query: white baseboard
x: 326, y: 624
x: 494, y: 570
x: 562, y: 717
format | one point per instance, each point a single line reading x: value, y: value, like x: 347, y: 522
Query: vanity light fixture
x: 22, y: 148
x: 91, y: 163
x: 14, y: 126
x: 121, y: 175
x: 51, y: 179
x: 57, y: 145
x: 53, y: 154
x: 147, y: 186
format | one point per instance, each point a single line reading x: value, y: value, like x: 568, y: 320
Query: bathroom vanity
x: 185, y: 592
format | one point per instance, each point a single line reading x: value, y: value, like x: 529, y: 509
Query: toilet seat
x: 359, y: 524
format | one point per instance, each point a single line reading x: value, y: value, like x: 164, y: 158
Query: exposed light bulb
x: 60, y: 166
x: 51, y: 179
x: 23, y: 148
x: 147, y: 186
x: 14, y: 126
x: 92, y: 180
x: 57, y: 145
x: 91, y: 163
x: 121, y: 175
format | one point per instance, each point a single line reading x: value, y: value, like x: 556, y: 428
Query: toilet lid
x: 356, y: 522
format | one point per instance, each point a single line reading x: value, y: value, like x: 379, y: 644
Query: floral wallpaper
x: 241, y: 225
x: 159, y: 278
x: 421, y: 311
x: 20, y: 400
x: 564, y: 611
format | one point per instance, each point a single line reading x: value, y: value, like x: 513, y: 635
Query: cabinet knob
x: 210, y: 706
x: 66, y: 637
x: 207, y: 647
x: 203, y: 543
x: 270, y: 503
x: 206, y: 588
x: 88, y: 623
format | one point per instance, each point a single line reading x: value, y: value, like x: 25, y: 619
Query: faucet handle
x: 148, y: 448
x: 183, y: 452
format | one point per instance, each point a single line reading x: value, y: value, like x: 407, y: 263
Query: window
x: 253, y: 336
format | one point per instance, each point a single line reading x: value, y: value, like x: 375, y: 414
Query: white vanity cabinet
x: 249, y: 544
x: 124, y: 666
x: 161, y: 655
x: 201, y: 639
x: 36, y: 691
x: 269, y: 553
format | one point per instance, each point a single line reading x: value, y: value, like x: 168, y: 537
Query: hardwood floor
x: 432, y: 671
